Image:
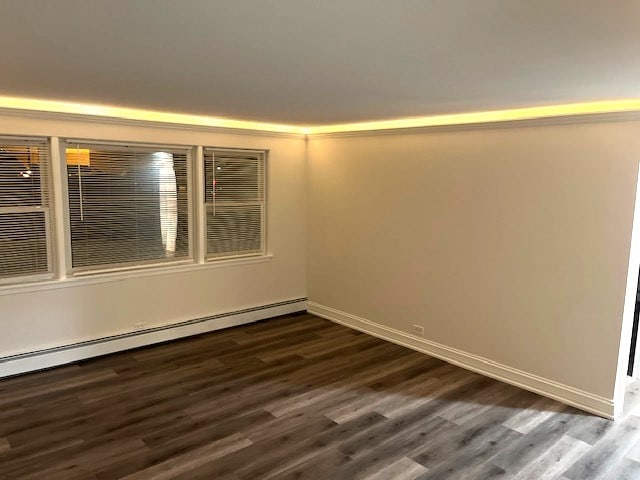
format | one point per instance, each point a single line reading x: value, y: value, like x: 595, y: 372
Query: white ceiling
x: 320, y: 61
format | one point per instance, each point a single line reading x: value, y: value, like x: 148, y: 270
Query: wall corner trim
x: 51, y: 357
x: 581, y: 399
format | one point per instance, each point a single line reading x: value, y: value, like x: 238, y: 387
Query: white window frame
x: 72, y: 271
x: 207, y: 153
x: 46, y: 207
x: 55, y: 185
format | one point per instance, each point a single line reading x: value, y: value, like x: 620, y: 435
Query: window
x: 234, y: 202
x: 25, y: 216
x: 124, y: 206
x: 129, y: 205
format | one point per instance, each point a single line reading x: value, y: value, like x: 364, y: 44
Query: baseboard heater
x: 50, y: 357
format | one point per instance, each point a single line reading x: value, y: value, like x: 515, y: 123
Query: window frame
x: 54, y: 187
x: 46, y: 206
x: 142, y: 265
x: 263, y: 203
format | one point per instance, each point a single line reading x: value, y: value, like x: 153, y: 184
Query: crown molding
x: 491, y: 125
x: 509, y: 115
x: 594, y: 112
x: 101, y: 119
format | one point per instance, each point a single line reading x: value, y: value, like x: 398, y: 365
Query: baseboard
x: 51, y: 357
x: 581, y: 399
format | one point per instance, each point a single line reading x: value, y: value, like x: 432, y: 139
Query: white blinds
x: 128, y: 205
x: 25, y: 216
x: 234, y: 202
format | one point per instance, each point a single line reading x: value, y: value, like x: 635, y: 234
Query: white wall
x: 510, y: 244
x: 53, y: 317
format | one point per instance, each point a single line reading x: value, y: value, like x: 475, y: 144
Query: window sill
x: 107, y: 277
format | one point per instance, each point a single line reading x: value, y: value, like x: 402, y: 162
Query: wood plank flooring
x: 297, y: 397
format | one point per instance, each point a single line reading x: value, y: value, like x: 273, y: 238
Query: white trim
x: 636, y: 359
x: 36, y: 277
x: 84, y: 118
x: 455, y: 127
x: 235, y: 150
x: 261, y: 161
x: 619, y: 108
x: 197, y: 198
x: 211, y: 259
x: 24, y: 209
x: 190, y: 206
x: 266, y: 201
x: 61, y: 207
x: 130, y: 273
x: 563, y: 393
x: 126, y: 146
x: 624, y: 347
x: 130, y: 266
x: 403, y: 125
x: 45, y: 206
x: 22, y: 138
x: 249, y: 203
x: 30, y: 362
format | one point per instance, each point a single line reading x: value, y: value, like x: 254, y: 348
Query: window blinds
x: 128, y: 205
x: 234, y: 202
x: 25, y: 216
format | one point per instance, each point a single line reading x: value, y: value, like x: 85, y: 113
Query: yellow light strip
x: 527, y: 113
x: 55, y: 106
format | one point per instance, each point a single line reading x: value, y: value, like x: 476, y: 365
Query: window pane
x: 237, y: 179
x: 234, y: 230
x: 128, y: 206
x: 24, y: 208
x: 19, y: 176
x: 23, y: 244
x: 234, y: 202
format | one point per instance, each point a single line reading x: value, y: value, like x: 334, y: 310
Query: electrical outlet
x: 140, y: 325
x: 418, y: 330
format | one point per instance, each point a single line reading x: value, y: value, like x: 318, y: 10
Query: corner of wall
x: 566, y: 394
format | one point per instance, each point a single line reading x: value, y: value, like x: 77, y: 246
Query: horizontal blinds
x: 234, y: 202
x: 128, y: 205
x: 25, y: 216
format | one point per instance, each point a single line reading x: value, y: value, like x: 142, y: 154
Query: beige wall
x: 507, y: 243
x: 47, y: 318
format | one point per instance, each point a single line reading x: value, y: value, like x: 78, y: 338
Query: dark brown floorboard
x: 297, y: 397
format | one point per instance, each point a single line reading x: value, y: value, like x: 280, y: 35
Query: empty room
x: 340, y: 239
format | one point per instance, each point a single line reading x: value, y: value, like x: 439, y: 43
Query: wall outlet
x: 140, y: 325
x: 418, y: 330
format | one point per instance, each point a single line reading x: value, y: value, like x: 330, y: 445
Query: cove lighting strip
x: 528, y: 113
x: 507, y: 115
x: 55, y: 106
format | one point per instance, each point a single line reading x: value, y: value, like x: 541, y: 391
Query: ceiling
x: 311, y: 62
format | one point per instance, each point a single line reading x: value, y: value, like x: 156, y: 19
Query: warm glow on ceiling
x: 528, y: 113
x: 514, y: 114
x: 145, y: 115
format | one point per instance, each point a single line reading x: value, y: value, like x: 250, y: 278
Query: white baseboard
x: 563, y: 393
x: 51, y: 357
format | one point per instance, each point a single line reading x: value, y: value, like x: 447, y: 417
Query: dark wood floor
x: 296, y: 397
